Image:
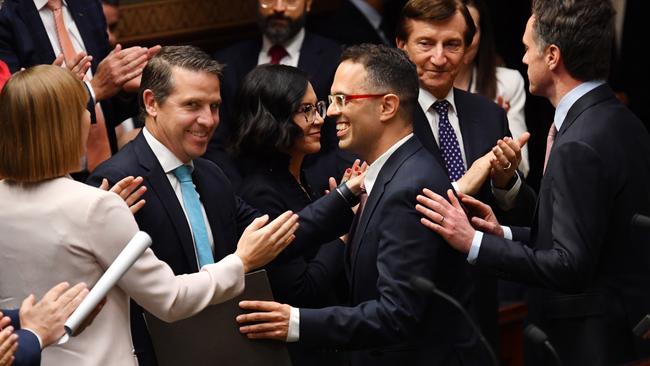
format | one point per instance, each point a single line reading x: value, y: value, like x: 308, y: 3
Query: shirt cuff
x: 455, y: 185
x: 507, y: 232
x: 91, y: 90
x: 293, y: 334
x: 40, y: 342
x: 506, y: 197
x: 476, y: 245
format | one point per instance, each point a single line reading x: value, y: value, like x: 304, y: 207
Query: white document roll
x: 131, y: 252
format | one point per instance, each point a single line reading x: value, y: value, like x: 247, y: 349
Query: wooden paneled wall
x: 205, y: 23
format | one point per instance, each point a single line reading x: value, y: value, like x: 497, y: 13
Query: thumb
x: 257, y: 224
x: 28, y: 303
x: 523, y: 139
x: 104, y: 185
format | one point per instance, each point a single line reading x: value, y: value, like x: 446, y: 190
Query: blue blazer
x: 163, y: 218
x: 388, y: 321
x: 29, y: 349
x: 24, y: 43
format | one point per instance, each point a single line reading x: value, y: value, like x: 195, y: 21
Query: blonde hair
x: 40, y: 124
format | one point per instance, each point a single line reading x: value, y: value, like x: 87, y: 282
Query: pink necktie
x: 98, y: 148
x: 277, y: 53
x: 549, y: 143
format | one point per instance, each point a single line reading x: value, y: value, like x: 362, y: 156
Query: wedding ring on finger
x: 508, y: 166
x: 441, y: 221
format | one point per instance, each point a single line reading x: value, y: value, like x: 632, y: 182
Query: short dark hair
x: 583, y: 31
x: 157, y: 75
x: 389, y: 70
x: 265, y: 104
x: 434, y: 11
x: 111, y: 2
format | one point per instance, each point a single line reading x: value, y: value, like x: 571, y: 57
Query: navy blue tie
x: 449, y: 148
x: 193, y: 210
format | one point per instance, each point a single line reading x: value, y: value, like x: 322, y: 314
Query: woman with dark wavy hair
x: 278, y: 124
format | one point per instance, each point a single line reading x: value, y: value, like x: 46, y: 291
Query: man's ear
x: 389, y: 107
x: 150, y: 104
x: 400, y: 43
x: 552, y: 56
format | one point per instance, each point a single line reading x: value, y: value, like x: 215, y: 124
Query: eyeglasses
x: 339, y: 100
x: 290, y: 4
x: 310, y: 111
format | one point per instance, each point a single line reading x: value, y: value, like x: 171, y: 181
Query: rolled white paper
x: 131, y: 252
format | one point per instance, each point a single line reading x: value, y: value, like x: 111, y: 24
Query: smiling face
x: 187, y: 119
x: 309, y: 142
x: 437, y: 50
x: 357, y: 124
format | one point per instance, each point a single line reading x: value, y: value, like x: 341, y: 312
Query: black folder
x: 212, y: 336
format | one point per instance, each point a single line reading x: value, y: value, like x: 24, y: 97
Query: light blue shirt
x: 567, y: 101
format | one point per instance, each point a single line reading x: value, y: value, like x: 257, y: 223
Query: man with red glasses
x: 459, y: 128
x: 387, y: 320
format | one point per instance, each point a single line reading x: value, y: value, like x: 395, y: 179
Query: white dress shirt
x: 293, y: 333
x: 292, y: 46
x: 169, y: 162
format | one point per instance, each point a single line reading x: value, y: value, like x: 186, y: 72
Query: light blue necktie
x: 193, y: 210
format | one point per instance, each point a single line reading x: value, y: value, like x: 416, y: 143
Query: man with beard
x: 283, y: 40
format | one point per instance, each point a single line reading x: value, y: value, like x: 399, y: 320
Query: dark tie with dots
x: 277, y: 53
x: 449, y: 148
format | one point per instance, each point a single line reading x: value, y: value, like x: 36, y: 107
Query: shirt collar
x: 570, y: 98
x: 373, y: 16
x: 374, y: 168
x: 426, y: 100
x: 40, y: 4
x: 168, y: 161
x: 292, y: 46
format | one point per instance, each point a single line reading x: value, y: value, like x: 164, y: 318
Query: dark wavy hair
x: 264, y: 108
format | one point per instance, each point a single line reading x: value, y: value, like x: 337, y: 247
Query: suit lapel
x: 85, y: 24
x: 383, y: 178
x: 157, y: 182
x: 31, y: 18
x: 422, y: 130
x: 468, y: 127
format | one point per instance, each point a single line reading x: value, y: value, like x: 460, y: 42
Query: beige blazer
x: 62, y: 230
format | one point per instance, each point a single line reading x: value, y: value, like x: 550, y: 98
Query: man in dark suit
x: 283, y: 40
x: 591, y: 267
x: 459, y: 128
x: 388, y: 321
x: 28, y: 37
x: 180, y: 101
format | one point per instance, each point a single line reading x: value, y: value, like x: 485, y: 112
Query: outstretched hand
x: 130, y: 189
x: 447, y: 219
x: 507, y: 156
x: 271, y: 320
x: 261, y: 243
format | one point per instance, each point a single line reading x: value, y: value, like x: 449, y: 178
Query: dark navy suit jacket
x: 589, y: 268
x: 24, y: 43
x: 29, y: 350
x: 163, y: 218
x: 389, y: 322
x: 482, y: 123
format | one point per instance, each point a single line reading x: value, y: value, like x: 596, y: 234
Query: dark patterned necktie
x: 449, y: 148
